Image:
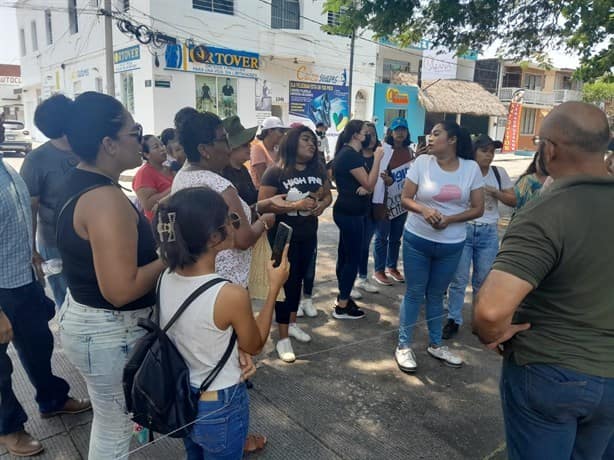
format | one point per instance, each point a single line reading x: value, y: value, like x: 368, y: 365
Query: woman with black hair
x: 442, y: 191
x: 194, y: 225
x: 152, y: 182
x: 109, y: 260
x: 388, y: 231
x: 301, y: 176
x: 354, y: 186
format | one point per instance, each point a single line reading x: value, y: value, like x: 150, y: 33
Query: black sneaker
x: 350, y: 312
x: 449, y: 330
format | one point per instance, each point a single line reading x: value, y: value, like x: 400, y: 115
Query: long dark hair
x: 195, y: 128
x: 93, y: 116
x: 464, y: 147
x: 288, y: 150
x: 186, y: 221
x: 389, y: 139
x: 538, y: 159
x: 353, y: 127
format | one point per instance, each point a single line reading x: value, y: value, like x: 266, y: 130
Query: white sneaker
x: 285, y: 351
x: 307, y: 308
x: 355, y: 294
x: 300, y: 312
x: 406, y: 360
x: 444, y: 354
x: 363, y: 283
x: 298, y: 333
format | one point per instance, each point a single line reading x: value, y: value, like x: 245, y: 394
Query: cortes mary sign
x: 304, y: 74
x: 209, y: 60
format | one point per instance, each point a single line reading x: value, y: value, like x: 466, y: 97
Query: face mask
x: 367, y: 141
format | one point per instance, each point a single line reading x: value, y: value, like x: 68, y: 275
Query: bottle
x: 52, y: 267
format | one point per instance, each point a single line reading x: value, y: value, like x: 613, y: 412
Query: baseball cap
x: 484, y: 140
x: 272, y: 123
x: 238, y: 135
x: 398, y: 122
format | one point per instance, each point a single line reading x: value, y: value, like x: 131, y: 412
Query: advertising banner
x: 512, y: 128
x: 213, y: 61
x: 127, y: 59
x: 311, y: 103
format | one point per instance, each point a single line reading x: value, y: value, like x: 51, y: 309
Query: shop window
x: 215, y: 6
x: 127, y: 90
x: 285, y: 14
x: 48, y: 28
x: 73, y: 19
x: 527, y: 121
x: 217, y: 95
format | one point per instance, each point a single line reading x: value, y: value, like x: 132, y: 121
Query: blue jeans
x: 97, y: 342
x: 428, y: 268
x: 221, y: 427
x: 369, y: 229
x: 56, y: 282
x: 388, y: 242
x: 481, y: 247
x: 29, y: 311
x: 351, y: 231
x: 553, y: 412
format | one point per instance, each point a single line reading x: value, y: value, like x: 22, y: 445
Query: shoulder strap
x: 186, y: 303
x: 218, y: 368
x: 495, y: 170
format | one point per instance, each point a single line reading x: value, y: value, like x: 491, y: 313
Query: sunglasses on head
x: 234, y: 220
x: 137, y: 133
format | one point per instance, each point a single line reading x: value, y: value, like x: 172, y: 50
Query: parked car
x: 16, y: 138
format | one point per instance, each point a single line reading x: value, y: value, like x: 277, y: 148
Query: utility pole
x: 108, y: 48
x: 353, y: 39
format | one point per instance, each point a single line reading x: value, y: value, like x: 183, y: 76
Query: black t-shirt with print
x: 297, y: 185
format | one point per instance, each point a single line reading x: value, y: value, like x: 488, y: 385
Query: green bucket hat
x: 237, y: 133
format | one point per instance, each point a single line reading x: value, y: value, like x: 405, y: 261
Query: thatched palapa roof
x: 454, y: 96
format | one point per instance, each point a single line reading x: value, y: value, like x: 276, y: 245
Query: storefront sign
x: 438, y: 66
x: 127, y: 59
x: 304, y: 74
x: 7, y: 80
x: 318, y: 102
x: 394, y: 96
x: 214, y: 61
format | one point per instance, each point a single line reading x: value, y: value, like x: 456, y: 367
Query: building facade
x: 10, y: 92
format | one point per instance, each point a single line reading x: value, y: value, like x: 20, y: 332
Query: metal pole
x: 108, y: 48
x: 351, y: 70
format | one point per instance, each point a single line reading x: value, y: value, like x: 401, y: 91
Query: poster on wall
x: 311, y: 103
x: 264, y: 99
x: 217, y: 95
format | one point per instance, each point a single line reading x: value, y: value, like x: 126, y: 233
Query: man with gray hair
x: 548, y: 303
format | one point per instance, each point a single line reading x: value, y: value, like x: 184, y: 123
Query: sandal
x: 254, y: 443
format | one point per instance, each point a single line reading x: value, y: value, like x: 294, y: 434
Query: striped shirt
x: 15, y: 228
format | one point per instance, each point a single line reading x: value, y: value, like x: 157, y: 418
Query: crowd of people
x: 210, y: 197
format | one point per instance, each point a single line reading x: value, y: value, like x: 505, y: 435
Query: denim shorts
x: 221, y: 426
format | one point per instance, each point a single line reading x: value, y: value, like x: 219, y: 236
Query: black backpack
x: 156, y: 379
x: 497, y: 175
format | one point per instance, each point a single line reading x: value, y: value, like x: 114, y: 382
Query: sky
x: 9, y: 51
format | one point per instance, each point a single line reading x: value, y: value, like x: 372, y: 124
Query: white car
x: 16, y: 138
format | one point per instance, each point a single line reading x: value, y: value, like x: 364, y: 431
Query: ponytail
x: 353, y: 127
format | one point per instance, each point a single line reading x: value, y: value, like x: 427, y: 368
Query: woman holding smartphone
x: 301, y: 176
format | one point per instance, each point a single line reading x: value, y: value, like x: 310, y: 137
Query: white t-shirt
x: 446, y: 191
x: 232, y: 264
x: 491, y: 204
x: 195, y: 334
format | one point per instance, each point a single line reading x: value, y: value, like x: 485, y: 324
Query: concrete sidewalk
x: 344, y: 397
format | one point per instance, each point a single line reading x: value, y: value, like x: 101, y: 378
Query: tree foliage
x: 599, y: 91
x: 525, y: 28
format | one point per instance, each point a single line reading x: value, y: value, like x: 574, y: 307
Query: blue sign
x: 320, y: 102
x: 127, y: 58
x: 393, y: 101
x: 217, y: 61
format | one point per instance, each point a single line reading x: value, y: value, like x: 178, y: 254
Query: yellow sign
x: 394, y: 96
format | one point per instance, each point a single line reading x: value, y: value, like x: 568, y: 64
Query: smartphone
x: 421, y: 140
x: 282, y: 237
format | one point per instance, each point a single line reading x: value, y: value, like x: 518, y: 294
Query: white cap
x: 272, y: 123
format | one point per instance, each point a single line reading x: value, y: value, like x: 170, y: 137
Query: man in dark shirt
x: 44, y: 171
x: 548, y: 304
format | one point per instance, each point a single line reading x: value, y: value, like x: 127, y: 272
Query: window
x: 215, y: 6
x: 217, y: 95
x: 285, y: 14
x: 122, y: 5
x: 127, y: 90
x: 73, y: 20
x: 532, y: 81
x: 527, y: 121
x: 511, y: 80
x: 34, y: 36
x: 22, y: 41
x: 48, y: 28
x: 391, y: 66
x: 333, y: 18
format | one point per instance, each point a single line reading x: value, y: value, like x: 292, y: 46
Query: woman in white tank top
x: 193, y: 226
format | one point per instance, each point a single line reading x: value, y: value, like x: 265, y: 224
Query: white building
x: 255, y: 47
x: 10, y: 92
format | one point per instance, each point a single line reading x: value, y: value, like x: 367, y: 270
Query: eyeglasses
x: 233, y: 219
x: 537, y: 140
x: 136, y: 132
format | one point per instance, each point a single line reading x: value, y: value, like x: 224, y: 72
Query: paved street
x: 344, y: 397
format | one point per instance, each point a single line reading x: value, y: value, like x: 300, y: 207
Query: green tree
x: 525, y: 29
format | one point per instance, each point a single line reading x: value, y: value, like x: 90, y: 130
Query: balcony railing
x: 534, y: 97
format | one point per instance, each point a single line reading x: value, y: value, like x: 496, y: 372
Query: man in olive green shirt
x: 548, y: 302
